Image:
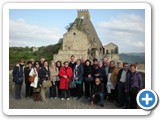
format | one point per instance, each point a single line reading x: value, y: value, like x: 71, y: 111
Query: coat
x: 35, y: 83
x: 42, y: 74
x: 78, y: 72
x: 133, y: 80
x: 64, y: 81
x: 17, y: 73
x: 54, y: 72
x: 26, y: 73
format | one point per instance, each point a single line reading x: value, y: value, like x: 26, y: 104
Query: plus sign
x: 147, y: 99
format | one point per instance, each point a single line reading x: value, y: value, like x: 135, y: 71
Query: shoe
x: 67, y: 98
x: 62, y: 98
x: 102, y: 105
x: 78, y: 98
x: 119, y: 105
x: 51, y: 98
x: 75, y: 98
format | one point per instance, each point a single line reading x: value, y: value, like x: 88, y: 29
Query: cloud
x: 23, y: 34
x: 125, y: 30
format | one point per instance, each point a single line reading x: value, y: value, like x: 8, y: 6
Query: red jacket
x: 64, y: 81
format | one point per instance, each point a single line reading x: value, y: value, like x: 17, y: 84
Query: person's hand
x: 65, y: 76
x: 89, y: 75
x: 93, y: 95
x: 34, y: 74
x: 46, y: 75
x: 126, y: 91
x: 76, y: 78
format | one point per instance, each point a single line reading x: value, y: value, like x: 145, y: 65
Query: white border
x: 8, y: 6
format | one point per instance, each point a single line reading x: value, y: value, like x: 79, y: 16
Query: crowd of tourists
x: 99, y: 81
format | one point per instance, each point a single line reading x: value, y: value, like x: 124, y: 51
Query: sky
x: 39, y: 27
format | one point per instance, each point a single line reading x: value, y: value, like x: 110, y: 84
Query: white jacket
x: 35, y: 83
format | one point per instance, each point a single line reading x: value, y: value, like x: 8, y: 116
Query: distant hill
x: 26, y: 53
x: 132, y: 57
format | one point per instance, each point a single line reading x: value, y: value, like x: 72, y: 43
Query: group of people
x: 97, y: 80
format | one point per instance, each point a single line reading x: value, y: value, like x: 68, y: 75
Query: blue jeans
x: 98, y: 98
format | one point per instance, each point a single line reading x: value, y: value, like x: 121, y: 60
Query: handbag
x: 72, y: 84
x: 31, y: 78
x: 46, y: 83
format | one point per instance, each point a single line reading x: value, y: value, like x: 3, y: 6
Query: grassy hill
x: 132, y: 57
x: 16, y: 53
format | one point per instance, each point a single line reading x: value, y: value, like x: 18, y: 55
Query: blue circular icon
x: 147, y: 99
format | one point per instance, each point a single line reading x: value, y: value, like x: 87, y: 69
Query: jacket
x: 78, y: 72
x: 26, y: 73
x: 97, y: 89
x: 114, y: 75
x: 17, y: 73
x: 64, y: 81
x: 133, y: 80
x: 43, y: 72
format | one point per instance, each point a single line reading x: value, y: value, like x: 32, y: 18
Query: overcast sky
x: 126, y: 28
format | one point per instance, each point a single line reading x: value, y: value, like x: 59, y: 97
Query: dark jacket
x: 94, y: 70
x: 120, y: 74
x: 26, y: 73
x: 79, y: 73
x: 17, y: 73
x: 72, y: 65
x: 133, y: 80
x: 102, y: 74
x: 87, y: 70
x: 97, y: 89
x: 42, y: 74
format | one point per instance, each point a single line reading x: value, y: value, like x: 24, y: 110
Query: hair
x: 44, y: 62
x: 112, y: 61
x: 125, y: 63
x: 21, y: 60
x: 65, y: 62
x: 52, y: 62
x: 78, y: 60
x: 32, y: 59
x: 95, y: 60
x: 72, y: 56
x: 88, y: 61
x: 59, y: 62
x: 29, y: 62
x: 133, y: 65
x: 36, y: 63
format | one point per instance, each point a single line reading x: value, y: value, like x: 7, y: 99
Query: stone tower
x: 81, y: 39
x: 83, y: 14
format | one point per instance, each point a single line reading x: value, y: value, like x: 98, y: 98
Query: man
x: 97, y: 94
x: 94, y: 67
x: 73, y: 64
x: 121, y: 79
x: 105, y: 61
x: 18, y: 78
x: 42, y: 61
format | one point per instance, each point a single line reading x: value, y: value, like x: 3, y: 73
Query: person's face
x: 125, y: 67
x: 120, y: 65
x: 87, y: 63
x: 83, y: 60
x: 133, y: 69
x: 78, y: 62
x: 72, y: 59
x: 107, y: 63
x: 29, y: 65
x: 42, y: 60
x: 95, y: 62
x: 32, y: 61
x: 52, y: 64
x: 22, y: 63
x: 37, y: 65
x: 104, y: 60
x: 58, y: 64
x: 97, y: 81
x: 112, y: 64
x: 46, y: 64
x: 66, y: 65
x: 100, y: 64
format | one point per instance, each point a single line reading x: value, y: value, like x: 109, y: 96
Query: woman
x: 53, y: 74
x: 44, y: 77
x: 133, y: 85
x: 88, y: 78
x: 35, y: 71
x: 58, y: 65
x: 29, y: 90
x: 65, y: 74
x: 78, y: 78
